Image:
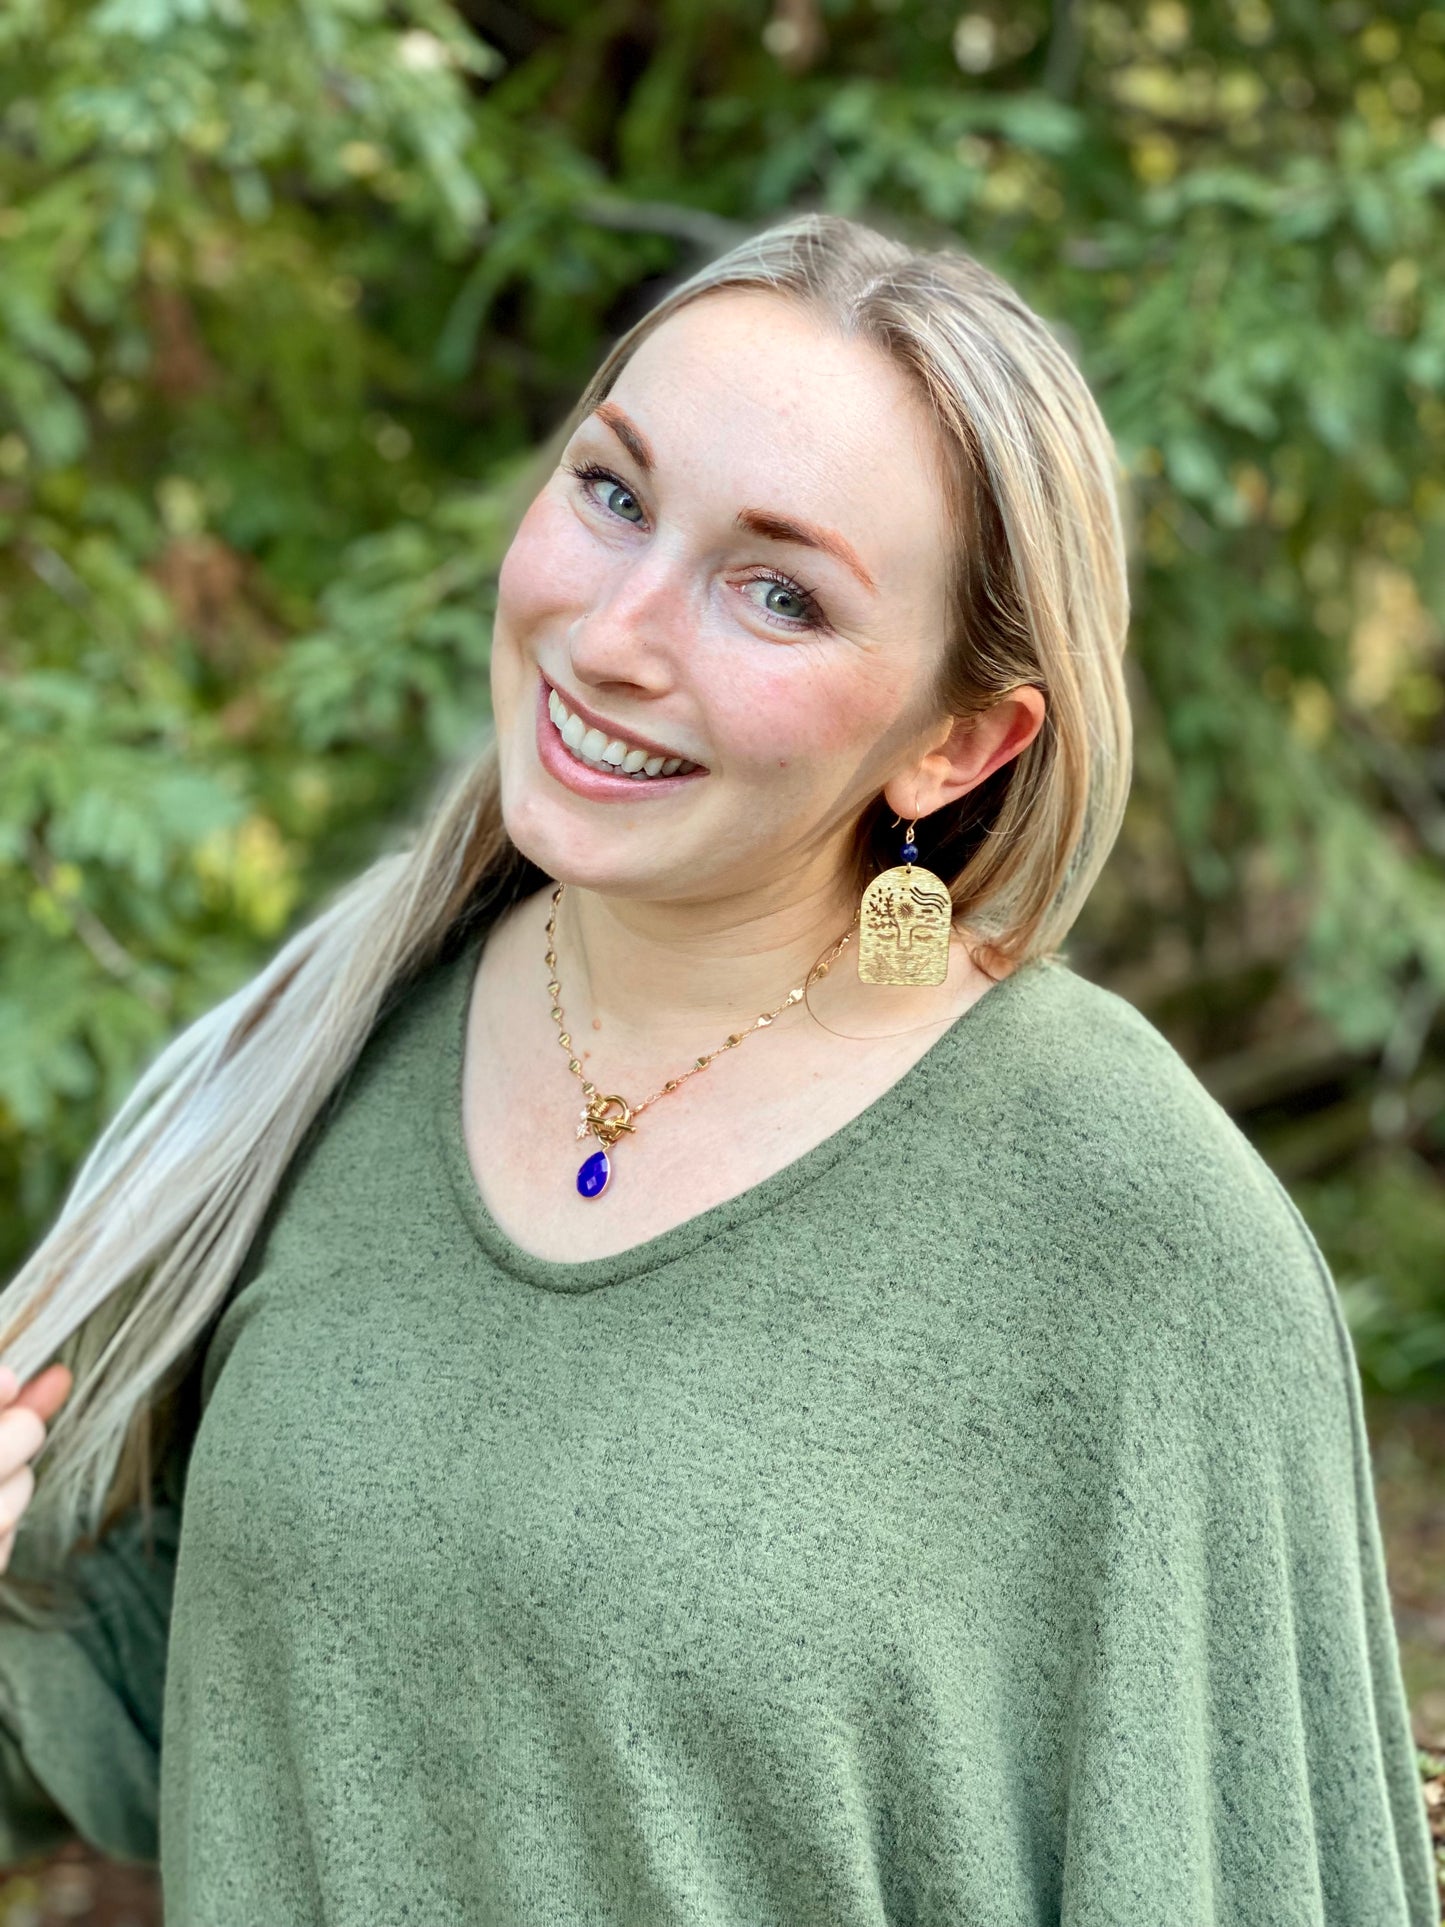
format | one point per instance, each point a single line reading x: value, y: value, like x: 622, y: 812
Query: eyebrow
x: 763, y: 522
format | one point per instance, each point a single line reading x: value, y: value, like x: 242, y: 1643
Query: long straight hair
x: 134, y: 1273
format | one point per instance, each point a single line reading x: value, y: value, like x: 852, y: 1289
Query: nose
x: 638, y: 625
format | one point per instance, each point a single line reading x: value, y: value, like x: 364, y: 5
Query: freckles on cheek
x: 779, y: 721
x: 798, y: 734
x: 767, y: 738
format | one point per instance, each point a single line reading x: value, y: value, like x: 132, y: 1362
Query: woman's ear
x: 971, y: 749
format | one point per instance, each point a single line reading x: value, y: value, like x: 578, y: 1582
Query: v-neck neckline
x: 968, y: 1030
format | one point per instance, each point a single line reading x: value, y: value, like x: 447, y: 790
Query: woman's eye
x: 795, y: 614
x: 589, y: 472
x: 797, y: 607
x: 616, y: 495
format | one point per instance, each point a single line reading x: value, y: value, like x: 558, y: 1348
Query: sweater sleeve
x: 80, y: 1707
x: 1238, y: 1749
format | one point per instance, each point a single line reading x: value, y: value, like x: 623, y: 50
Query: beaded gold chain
x: 607, y: 1117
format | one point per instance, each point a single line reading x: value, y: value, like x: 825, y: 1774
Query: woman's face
x: 750, y: 574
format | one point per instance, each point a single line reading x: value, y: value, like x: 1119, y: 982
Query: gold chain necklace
x: 608, y: 1117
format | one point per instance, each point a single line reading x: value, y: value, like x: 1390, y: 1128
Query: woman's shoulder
x: 1082, y: 1065
x: 1116, y: 1149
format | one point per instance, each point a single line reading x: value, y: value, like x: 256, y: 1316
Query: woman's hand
x: 24, y: 1414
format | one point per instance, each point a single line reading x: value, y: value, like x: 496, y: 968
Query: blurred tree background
x: 291, y: 292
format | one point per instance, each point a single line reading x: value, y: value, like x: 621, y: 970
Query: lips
x: 613, y: 732
x: 585, y: 779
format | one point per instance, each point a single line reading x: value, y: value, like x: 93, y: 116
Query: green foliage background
x: 289, y: 293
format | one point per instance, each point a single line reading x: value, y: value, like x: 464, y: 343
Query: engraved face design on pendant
x: 905, y: 929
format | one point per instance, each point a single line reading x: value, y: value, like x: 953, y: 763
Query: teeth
x: 604, y: 752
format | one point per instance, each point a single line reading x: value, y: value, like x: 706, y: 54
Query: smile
x: 596, y: 747
x: 597, y: 763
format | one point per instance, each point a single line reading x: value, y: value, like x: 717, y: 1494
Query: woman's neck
x: 662, y: 981
x: 672, y: 971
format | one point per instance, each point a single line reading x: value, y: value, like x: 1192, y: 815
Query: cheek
x: 546, y: 569
x: 793, y: 716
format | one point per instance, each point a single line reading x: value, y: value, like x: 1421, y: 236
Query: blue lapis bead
x: 910, y: 853
x: 592, y: 1177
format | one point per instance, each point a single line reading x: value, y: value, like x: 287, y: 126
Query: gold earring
x: 905, y: 923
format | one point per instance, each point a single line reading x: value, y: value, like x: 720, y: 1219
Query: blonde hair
x: 139, y: 1263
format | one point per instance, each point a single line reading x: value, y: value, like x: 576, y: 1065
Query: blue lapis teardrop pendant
x: 594, y: 1172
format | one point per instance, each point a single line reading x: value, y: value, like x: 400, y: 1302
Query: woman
x: 636, y: 1450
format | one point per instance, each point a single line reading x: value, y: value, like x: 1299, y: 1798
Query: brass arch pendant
x: 905, y: 926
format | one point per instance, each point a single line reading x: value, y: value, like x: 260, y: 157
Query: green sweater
x: 970, y: 1525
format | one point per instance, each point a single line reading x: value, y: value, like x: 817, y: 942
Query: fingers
x: 16, y: 1493
x: 22, y: 1433
x: 43, y: 1394
x: 24, y: 1414
x: 23, y: 1421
